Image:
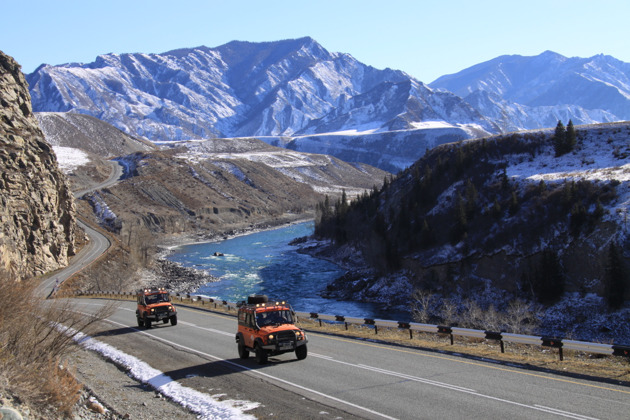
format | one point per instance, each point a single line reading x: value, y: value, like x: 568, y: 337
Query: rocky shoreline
x: 360, y: 282
x: 179, y: 279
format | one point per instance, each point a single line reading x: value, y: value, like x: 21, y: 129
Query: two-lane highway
x: 359, y: 378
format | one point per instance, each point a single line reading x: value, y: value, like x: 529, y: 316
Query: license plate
x: 286, y: 346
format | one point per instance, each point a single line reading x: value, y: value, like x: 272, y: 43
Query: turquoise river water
x: 265, y: 263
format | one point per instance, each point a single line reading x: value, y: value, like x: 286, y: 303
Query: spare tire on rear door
x: 253, y: 299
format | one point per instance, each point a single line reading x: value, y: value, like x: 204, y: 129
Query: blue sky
x: 426, y: 39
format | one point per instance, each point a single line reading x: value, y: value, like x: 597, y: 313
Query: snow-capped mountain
x: 244, y: 89
x: 294, y: 91
x: 518, y: 92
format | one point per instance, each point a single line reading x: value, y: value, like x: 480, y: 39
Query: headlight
x: 152, y: 310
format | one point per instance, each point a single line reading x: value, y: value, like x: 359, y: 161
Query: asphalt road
x: 97, y: 244
x: 350, y: 378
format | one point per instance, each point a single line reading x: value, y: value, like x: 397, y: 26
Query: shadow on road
x: 224, y: 367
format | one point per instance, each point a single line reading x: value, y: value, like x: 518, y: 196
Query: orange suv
x: 155, y: 305
x: 267, y: 329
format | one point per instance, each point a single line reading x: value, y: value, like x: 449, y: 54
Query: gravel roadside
x: 121, y: 396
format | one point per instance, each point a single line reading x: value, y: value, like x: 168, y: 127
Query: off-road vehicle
x: 267, y: 329
x: 154, y: 305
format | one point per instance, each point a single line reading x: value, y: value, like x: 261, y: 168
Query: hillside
x: 500, y: 218
x: 84, y: 145
x: 187, y: 190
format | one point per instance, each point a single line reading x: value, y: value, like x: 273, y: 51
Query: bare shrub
x: 519, y: 317
x: 421, y: 306
x: 448, y: 312
x: 472, y: 315
x: 522, y: 317
x: 33, y: 348
x: 492, y: 319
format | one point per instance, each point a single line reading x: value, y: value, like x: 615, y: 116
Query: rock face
x: 37, y: 214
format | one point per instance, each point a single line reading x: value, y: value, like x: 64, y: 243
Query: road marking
x: 457, y: 388
x: 392, y: 373
x: 208, y: 329
x: 256, y: 372
x: 419, y: 352
x: 536, y: 407
x: 560, y: 412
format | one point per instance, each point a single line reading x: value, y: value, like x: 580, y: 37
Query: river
x: 265, y: 263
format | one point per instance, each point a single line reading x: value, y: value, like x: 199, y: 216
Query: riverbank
x: 361, y: 282
x: 180, y: 279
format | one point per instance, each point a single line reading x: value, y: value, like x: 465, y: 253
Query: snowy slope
x: 324, y: 174
x: 531, y: 92
x: 243, y: 89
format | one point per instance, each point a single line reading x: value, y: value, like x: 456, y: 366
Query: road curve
x: 356, y: 378
x: 95, y: 246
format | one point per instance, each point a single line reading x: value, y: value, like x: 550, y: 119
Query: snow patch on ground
x: 69, y: 158
x: 205, y: 405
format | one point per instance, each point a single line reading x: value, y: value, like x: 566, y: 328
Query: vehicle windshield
x: 157, y: 298
x: 264, y: 319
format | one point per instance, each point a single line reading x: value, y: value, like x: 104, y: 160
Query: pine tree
x: 496, y: 209
x: 471, y: 198
x: 513, y: 203
x: 559, y: 139
x: 571, y: 138
x: 549, y: 280
x: 461, y: 221
x: 615, y: 280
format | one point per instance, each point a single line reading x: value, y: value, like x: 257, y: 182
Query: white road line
x: 560, y: 412
x: 257, y: 372
x: 459, y: 389
x: 557, y: 412
x: 208, y: 329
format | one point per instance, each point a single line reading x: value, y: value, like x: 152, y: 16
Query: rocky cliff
x: 37, y: 214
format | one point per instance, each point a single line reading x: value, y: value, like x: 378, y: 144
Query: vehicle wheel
x: 173, y: 320
x: 243, y: 353
x: 301, y: 352
x: 261, y: 355
x: 147, y: 322
x: 140, y: 321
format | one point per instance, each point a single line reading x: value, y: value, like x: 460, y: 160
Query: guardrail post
x: 554, y: 343
x: 369, y: 321
x: 405, y: 325
x: 340, y: 318
x: 619, y: 350
x: 446, y: 330
x: 493, y: 335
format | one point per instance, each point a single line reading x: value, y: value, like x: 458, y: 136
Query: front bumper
x: 284, y: 346
x: 159, y: 316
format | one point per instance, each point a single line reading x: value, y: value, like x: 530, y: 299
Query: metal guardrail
x: 502, y: 337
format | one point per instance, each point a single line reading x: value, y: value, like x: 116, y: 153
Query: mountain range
x: 517, y: 92
x: 291, y: 93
